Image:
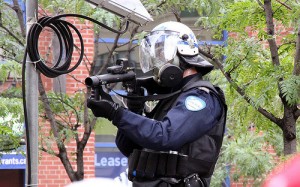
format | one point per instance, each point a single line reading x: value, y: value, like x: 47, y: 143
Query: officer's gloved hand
x: 105, y: 107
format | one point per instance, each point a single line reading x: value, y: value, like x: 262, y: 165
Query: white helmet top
x: 166, y: 41
x: 186, y: 40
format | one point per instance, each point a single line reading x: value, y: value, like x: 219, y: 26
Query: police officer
x: 178, y: 142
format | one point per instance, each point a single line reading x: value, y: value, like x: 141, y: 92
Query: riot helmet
x: 168, y: 50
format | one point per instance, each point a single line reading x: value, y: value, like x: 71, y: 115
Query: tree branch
x: 60, y: 145
x: 73, y: 77
x: 159, y: 5
x: 9, y: 52
x: 110, y: 54
x: 283, y: 4
x: 237, y: 65
x: 260, y: 3
x: 20, y: 14
x: 271, y: 31
x: 9, y: 31
x: 176, y: 13
x: 272, y: 44
x: 49, y: 152
x: 261, y: 110
x: 10, y: 58
x: 63, y: 104
x: 48, y: 110
x: 11, y: 34
x: 85, y: 59
x: 296, y: 70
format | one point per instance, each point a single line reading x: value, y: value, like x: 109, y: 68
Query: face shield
x: 157, y: 49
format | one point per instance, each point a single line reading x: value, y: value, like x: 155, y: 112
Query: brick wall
x: 51, y: 171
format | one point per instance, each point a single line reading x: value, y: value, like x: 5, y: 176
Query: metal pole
x: 31, y: 91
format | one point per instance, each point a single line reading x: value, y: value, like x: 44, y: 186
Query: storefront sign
x: 12, y: 161
x: 110, y: 164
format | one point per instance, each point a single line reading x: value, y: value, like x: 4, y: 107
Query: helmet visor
x: 157, y: 49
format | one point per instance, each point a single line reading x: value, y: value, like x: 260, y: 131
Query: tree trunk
x: 289, y: 130
x: 289, y: 146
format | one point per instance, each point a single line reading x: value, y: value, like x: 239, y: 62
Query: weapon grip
x: 98, y: 93
x: 95, y: 93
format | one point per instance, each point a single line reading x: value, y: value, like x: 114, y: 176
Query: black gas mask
x: 169, y: 74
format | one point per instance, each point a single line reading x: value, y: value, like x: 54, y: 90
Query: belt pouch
x: 151, y: 166
x: 132, y: 163
x: 171, y: 165
x: 161, y: 166
x: 142, y: 162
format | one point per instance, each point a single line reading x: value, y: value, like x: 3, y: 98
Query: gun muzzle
x: 98, y: 80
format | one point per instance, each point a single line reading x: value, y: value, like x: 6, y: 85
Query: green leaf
x: 291, y: 89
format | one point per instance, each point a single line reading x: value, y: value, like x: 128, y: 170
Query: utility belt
x: 150, y: 165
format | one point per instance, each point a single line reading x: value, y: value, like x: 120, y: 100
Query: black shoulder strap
x: 193, y: 83
x: 149, y: 97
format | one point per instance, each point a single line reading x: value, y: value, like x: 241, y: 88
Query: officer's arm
x: 125, y: 144
x: 194, y: 114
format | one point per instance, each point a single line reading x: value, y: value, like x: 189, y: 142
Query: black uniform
x: 180, y: 138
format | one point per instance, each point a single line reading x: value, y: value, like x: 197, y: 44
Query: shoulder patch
x: 194, y: 103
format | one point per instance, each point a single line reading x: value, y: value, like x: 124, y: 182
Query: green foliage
x: 9, y: 140
x: 249, y: 63
x: 12, y: 50
x: 220, y: 173
x: 161, y: 7
x: 247, y: 156
x: 10, y: 68
x: 66, y: 107
x: 12, y: 109
x: 68, y: 114
x: 11, y: 38
x: 64, y: 6
x: 242, y: 14
x: 251, y: 69
x: 11, y: 123
x: 83, y: 8
x: 291, y: 89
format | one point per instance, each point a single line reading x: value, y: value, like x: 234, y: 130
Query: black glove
x: 105, y: 107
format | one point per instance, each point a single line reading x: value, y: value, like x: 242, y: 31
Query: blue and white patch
x: 193, y: 103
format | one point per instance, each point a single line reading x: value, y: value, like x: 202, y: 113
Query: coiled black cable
x: 66, y: 42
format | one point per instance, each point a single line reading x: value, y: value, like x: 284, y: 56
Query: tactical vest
x: 198, y: 157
